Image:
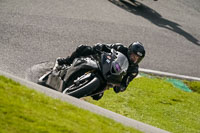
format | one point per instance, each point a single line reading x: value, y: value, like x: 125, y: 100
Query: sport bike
x: 86, y: 76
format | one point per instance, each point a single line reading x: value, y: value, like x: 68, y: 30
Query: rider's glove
x: 120, y: 88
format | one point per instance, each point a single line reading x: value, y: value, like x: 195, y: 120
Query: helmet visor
x: 135, y: 58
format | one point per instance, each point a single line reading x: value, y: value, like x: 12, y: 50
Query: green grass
x: 194, y: 85
x: 24, y: 110
x: 157, y: 102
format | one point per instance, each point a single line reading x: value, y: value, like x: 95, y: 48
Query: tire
x: 86, y: 89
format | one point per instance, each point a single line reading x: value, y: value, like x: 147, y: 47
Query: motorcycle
x: 88, y: 76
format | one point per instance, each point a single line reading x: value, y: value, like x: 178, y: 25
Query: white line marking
x: 168, y: 74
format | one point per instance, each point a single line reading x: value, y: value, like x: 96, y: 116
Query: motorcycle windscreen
x: 119, y: 65
x: 118, y: 68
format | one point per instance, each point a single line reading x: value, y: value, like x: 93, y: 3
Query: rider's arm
x: 84, y: 50
x: 101, y: 47
x: 108, y: 47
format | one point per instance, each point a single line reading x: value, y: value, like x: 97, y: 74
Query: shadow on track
x: 154, y: 17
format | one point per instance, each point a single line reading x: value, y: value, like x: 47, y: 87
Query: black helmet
x: 136, y: 52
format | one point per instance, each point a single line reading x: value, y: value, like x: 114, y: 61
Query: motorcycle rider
x: 135, y: 53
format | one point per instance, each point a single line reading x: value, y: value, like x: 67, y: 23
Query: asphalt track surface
x: 41, y: 30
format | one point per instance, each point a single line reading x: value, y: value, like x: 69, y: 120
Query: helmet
x: 136, y: 52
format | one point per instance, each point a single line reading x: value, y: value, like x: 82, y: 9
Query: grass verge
x: 24, y: 110
x: 157, y: 102
x: 194, y: 86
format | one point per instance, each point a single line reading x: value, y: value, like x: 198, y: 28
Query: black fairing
x: 105, y: 64
x: 80, y: 65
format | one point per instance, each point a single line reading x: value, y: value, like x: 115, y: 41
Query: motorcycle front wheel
x: 82, y: 87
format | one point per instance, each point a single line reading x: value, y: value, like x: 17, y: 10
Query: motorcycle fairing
x: 107, y: 60
x: 80, y: 65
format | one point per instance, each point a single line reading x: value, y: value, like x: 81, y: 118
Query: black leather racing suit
x: 84, y: 50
